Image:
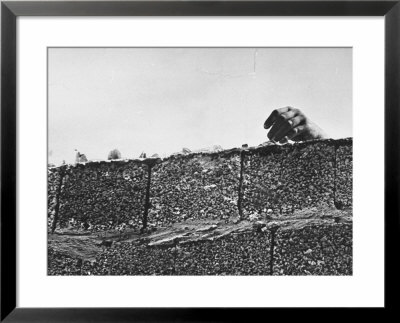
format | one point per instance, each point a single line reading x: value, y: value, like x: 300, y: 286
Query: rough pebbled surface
x: 317, y: 241
x: 344, y: 176
x: 283, y: 179
x: 194, y: 187
x: 100, y: 196
x: 316, y: 249
x: 303, y: 191
x: 234, y: 254
x: 53, y: 182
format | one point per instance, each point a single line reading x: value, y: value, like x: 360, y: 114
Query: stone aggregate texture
x: 283, y: 179
x: 298, y: 247
x: 101, y: 196
x: 273, y: 179
x: 53, y: 183
x: 344, y: 175
x: 284, y: 186
x: 319, y: 249
x: 263, y: 188
x: 125, y: 258
x: 134, y: 259
x: 234, y: 254
x: 60, y: 263
x: 195, y: 187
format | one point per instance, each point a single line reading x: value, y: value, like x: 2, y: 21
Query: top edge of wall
x: 224, y: 153
x: 274, y: 148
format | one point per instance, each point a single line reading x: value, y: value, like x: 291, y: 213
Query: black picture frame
x: 10, y: 10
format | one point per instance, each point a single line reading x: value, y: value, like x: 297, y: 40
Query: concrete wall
x: 302, y: 194
x: 195, y: 187
x: 238, y: 183
x: 322, y: 247
x: 317, y: 249
x: 99, y: 196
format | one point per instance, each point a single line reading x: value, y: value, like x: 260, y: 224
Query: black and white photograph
x: 199, y: 161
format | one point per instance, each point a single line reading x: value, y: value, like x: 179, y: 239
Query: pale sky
x: 159, y: 100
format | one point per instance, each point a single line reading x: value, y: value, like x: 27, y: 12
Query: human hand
x: 291, y: 124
